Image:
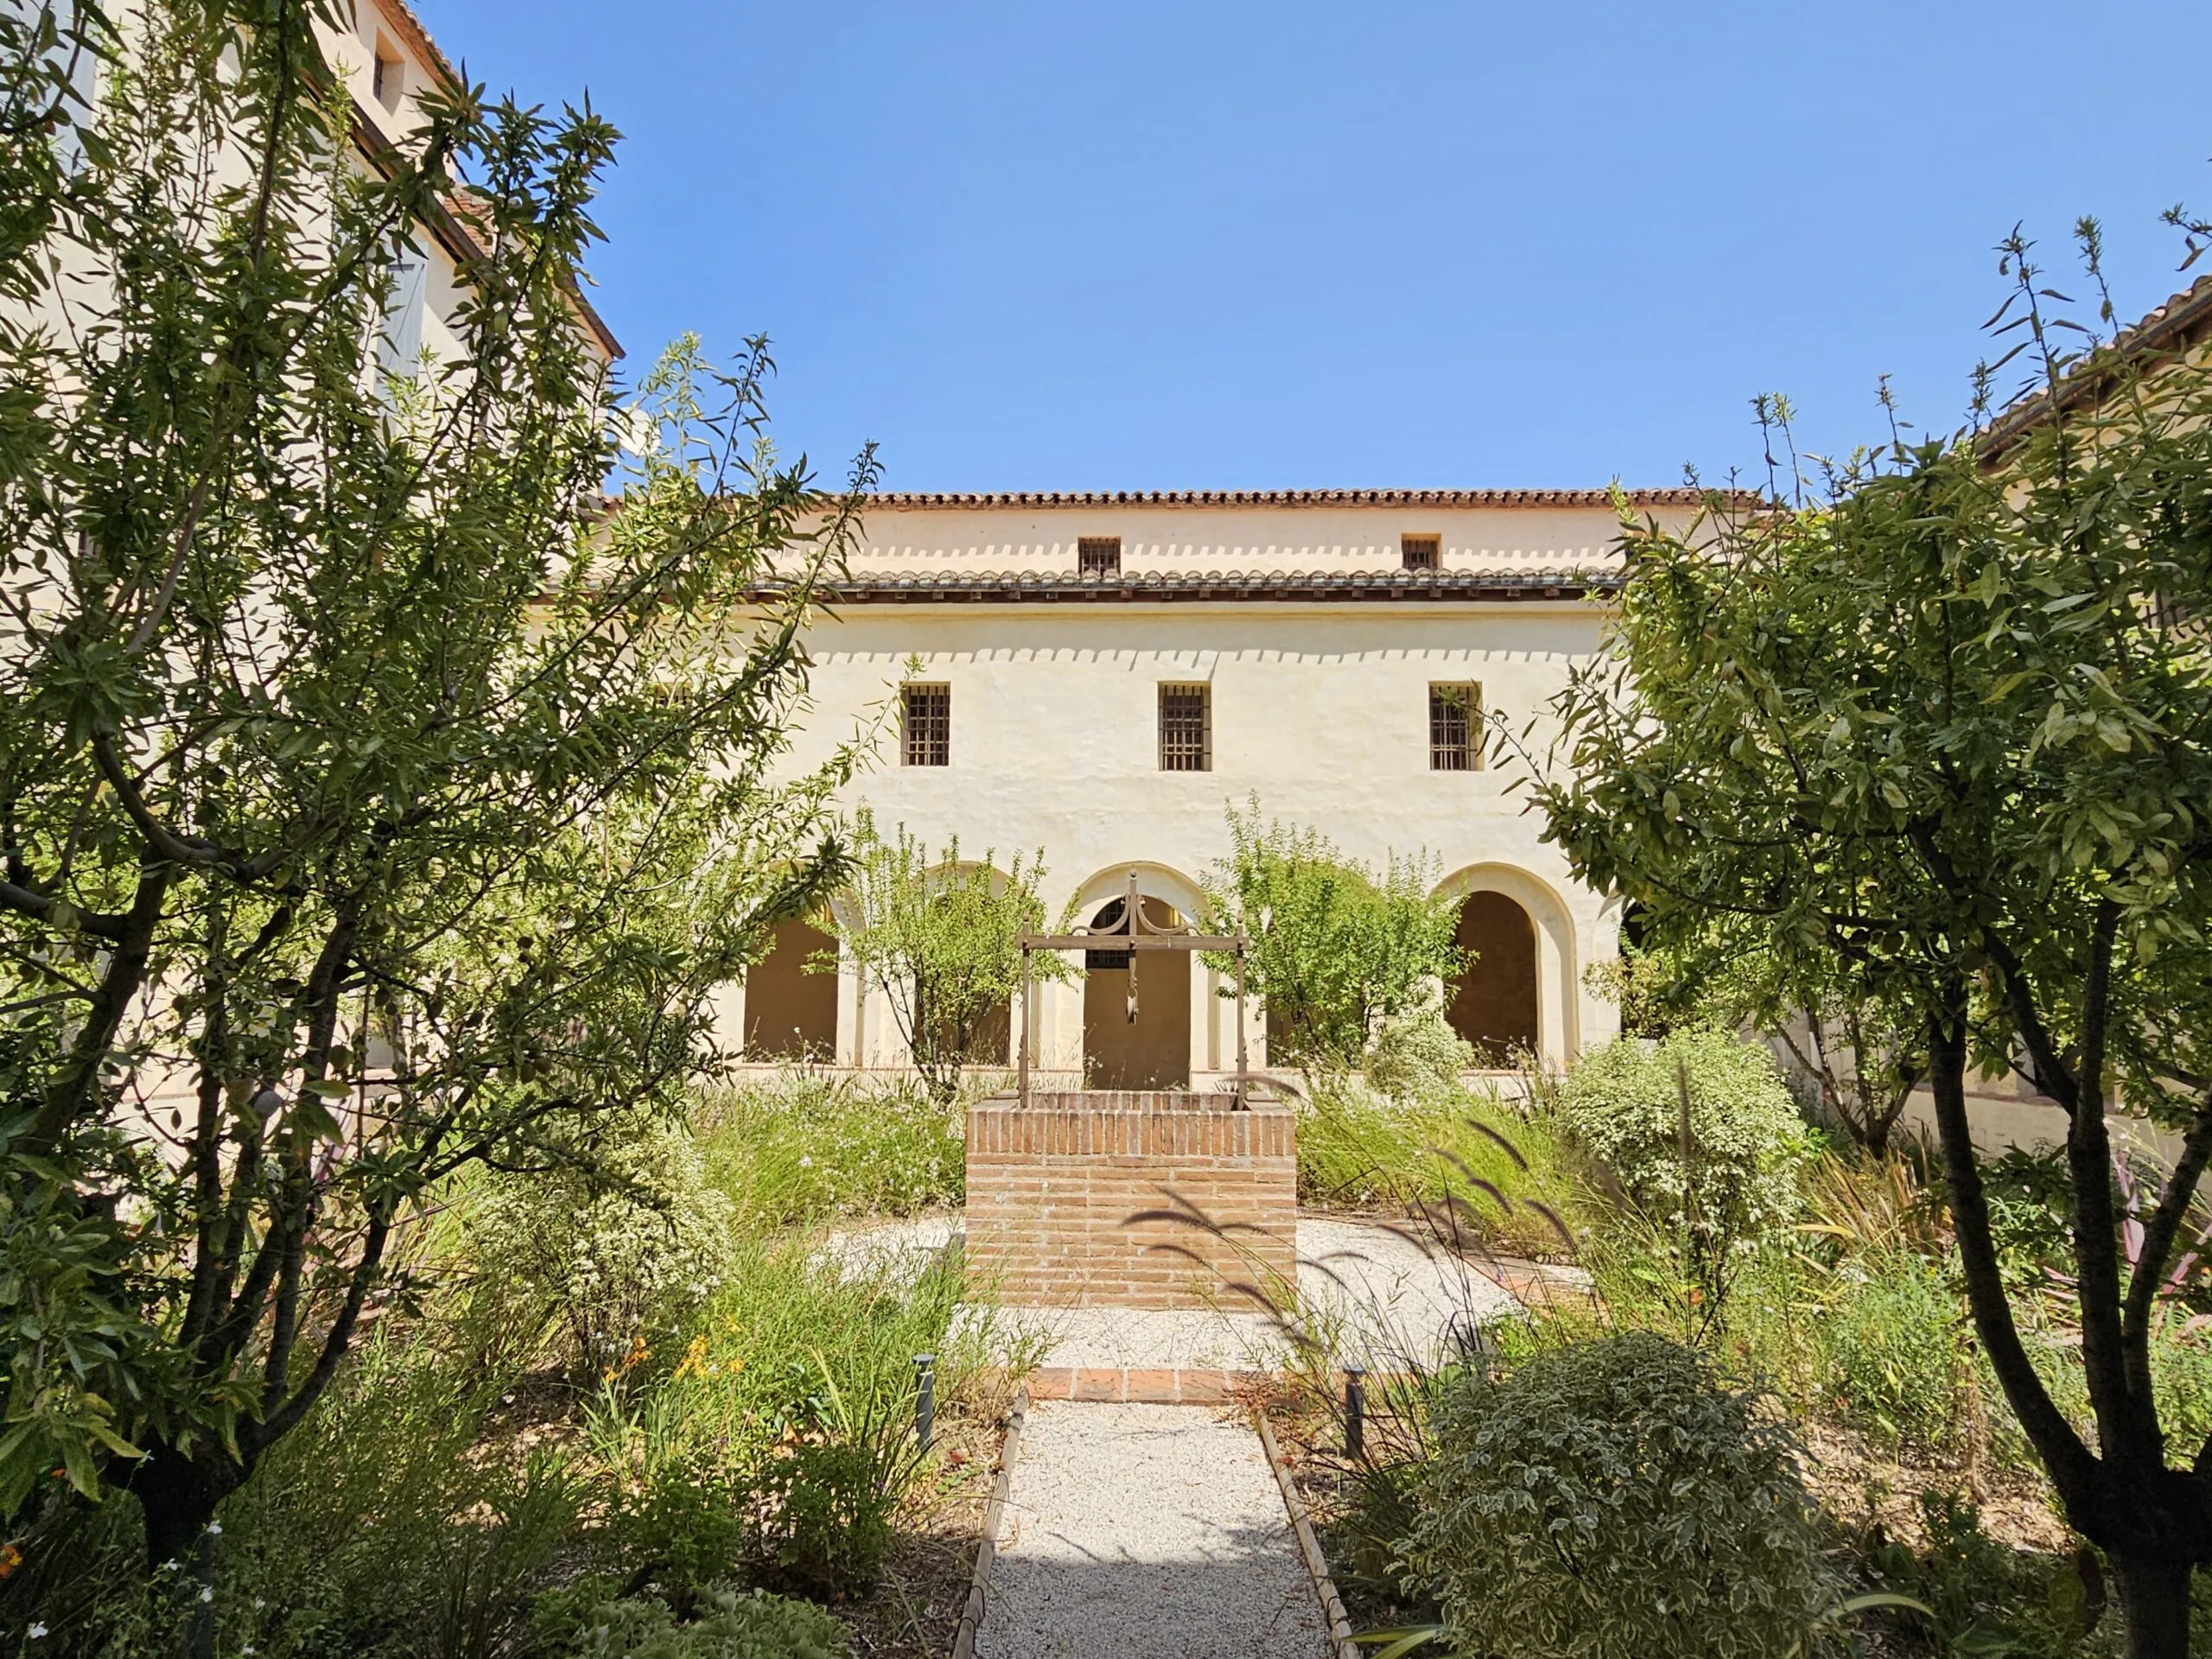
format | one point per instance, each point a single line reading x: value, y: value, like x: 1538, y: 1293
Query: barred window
x: 1455, y: 726
x: 925, y: 725
x: 1098, y: 556
x: 1185, y: 728
x: 1421, y: 552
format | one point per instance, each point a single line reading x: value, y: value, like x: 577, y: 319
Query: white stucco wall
x: 1319, y: 708
x: 1207, y: 538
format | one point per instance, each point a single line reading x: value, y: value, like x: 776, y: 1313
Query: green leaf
x: 1400, y: 1642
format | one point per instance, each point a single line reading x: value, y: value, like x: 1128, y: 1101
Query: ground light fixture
x: 925, y: 1399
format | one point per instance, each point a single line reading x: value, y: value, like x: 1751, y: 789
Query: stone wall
x: 1051, y: 1187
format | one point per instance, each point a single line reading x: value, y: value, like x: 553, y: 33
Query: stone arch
x: 1523, y: 991
x: 1156, y: 1050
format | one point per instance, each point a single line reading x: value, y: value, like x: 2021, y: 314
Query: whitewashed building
x: 1097, y: 677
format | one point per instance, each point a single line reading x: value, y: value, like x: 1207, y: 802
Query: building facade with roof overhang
x: 1098, y: 677
x: 386, y: 60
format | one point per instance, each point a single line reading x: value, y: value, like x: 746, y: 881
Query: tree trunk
x: 178, y: 1497
x: 2154, y: 1599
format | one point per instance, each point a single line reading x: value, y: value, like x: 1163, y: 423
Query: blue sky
x: 1240, y: 245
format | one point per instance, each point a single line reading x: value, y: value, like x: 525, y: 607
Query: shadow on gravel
x: 1243, y: 1596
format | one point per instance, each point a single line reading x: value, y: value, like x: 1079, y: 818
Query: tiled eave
x: 1230, y: 587
x: 2169, y: 332
x: 1091, y: 500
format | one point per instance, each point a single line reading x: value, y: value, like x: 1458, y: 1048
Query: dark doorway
x: 1153, y: 1051
x: 790, y: 1014
x: 1494, y: 1005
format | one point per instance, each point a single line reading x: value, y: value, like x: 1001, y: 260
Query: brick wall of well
x: 1051, y: 1186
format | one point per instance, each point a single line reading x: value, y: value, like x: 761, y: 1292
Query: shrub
x: 2181, y: 1369
x: 616, y: 1249
x: 1357, y: 1149
x: 1893, y: 1350
x: 1623, y: 1102
x: 1418, y: 1056
x: 802, y: 1146
x: 375, y: 1528
x: 781, y: 1442
x: 731, y: 1626
x: 940, y: 937
x: 1612, y: 1500
x: 825, y: 1509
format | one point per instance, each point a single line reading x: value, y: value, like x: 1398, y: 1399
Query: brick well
x: 1051, y: 1186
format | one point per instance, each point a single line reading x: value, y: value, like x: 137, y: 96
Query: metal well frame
x: 1134, y: 934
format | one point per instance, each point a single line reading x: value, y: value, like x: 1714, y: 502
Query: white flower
x: 805, y: 1161
x: 206, y: 1592
x: 35, y: 1631
x: 214, y: 1528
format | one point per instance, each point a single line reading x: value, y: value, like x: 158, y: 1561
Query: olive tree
x: 1946, y: 725
x: 1336, y: 947
x: 375, y: 798
x: 941, y: 935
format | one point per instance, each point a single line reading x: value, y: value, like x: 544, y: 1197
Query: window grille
x: 925, y: 725
x: 1098, y: 556
x: 1109, y: 917
x: 1185, y: 728
x: 1421, y: 552
x: 1455, y: 724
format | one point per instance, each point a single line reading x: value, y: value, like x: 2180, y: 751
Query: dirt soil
x: 1860, y: 1486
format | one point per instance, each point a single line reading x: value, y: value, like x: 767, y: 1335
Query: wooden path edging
x: 1309, y: 1546
x: 978, y: 1584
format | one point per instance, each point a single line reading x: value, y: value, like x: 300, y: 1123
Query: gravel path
x: 1146, y: 1531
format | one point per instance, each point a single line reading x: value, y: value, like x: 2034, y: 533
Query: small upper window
x: 1098, y: 556
x: 1421, y: 552
x: 925, y: 725
x: 1185, y: 728
x: 387, y: 78
x: 1455, y: 727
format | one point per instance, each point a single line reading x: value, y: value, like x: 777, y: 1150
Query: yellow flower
x: 695, y: 1358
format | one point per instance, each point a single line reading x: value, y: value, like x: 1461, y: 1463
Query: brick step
x: 1181, y: 1385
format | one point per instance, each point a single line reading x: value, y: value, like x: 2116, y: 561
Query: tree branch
x: 2164, y: 1227
x: 77, y: 1077
x: 277, y: 1423
x: 2074, y: 1470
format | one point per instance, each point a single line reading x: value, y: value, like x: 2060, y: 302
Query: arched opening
x: 1494, y: 1004
x: 1153, y: 1050
x: 791, y: 1013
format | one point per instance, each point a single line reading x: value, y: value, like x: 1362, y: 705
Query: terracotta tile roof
x: 928, y: 501
x: 1230, y: 587
x: 2182, y: 321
